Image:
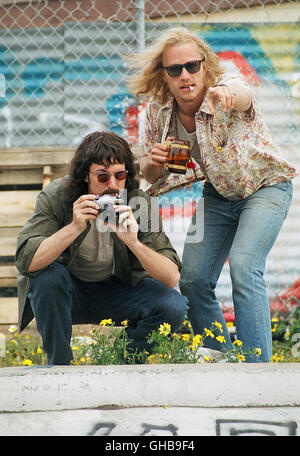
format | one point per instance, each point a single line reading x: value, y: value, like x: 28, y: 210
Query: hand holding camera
x: 117, y: 216
x: 106, y: 207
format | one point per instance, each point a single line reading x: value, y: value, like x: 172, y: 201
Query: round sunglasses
x: 104, y: 176
x: 175, y: 70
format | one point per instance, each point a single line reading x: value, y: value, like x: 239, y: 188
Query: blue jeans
x: 243, y: 231
x: 59, y: 300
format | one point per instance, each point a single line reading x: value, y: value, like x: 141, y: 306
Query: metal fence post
x: 140, y: 24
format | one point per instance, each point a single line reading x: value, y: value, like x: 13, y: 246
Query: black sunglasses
x: 105, y: 175
x: 175, y: 70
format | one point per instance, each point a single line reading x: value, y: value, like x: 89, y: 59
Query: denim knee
x: 173, y: 306
x: 54, y: 275
x: 200, y: 285
x: 242, y: 268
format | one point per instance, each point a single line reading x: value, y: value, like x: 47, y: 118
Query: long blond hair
x: 147, y: 79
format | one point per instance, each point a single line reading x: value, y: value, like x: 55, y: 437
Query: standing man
x: 74, y: 273
x: 247, y: 189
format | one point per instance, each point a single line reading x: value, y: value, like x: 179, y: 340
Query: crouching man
x: 78, y: 269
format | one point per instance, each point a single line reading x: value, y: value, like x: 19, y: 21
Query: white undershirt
x: 192, y: 137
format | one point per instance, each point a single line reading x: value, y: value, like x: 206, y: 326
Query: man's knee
x: 242, y: 269
x: 174, y: 307
x: 194, y: 284
x: 54, y: 275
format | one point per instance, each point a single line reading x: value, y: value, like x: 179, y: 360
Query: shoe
x: 215, y: 355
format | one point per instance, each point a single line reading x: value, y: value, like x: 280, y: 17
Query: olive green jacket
x: 52, y: 213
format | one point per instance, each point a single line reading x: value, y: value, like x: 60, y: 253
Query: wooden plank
x: 16, y: 207
x: 8, y: 283
x: 8, y: 241
x: 10, y: 216
x: 8, y: 275
x: 21, y: 198
x: 8, y: 311
x: 8, y: 271
x: 35, y: 157
x: 41, y: 156
x: 13, y: 176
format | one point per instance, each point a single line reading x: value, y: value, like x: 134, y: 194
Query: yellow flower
x: 82, y: 360
x: 238, y: 342
x: 240, y: 357
x: 221, y: 339
x: 187, y: 323
x: 258, y: 351
x: 229, y: 324
x: 92, y: 332
x: 197, y: 339
x: 274, y: 328
x: 39, y: 351
x: 185, y: 337
x: 105, y: 322
x: 165, y: 329
x: 208, y: 333
x: 27, y: 362
x: 124, y: 322
x: 75, y: 348
x: 276, y: 358
x: 154, y: 359
x: 219, y: 326
x: 207, y: 358
x: 219, y: 149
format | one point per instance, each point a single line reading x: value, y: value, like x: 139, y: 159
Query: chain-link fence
x: 63, y: 74
x: 63, y: 71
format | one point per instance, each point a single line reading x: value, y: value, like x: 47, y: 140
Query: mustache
x: 111, y: 191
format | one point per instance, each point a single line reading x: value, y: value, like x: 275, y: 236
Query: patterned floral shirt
x: 237, y: 155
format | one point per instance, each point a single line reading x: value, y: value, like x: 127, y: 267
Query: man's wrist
x: 135, y: 246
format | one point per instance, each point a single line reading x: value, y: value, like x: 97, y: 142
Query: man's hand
x: 84, y: 209
x: 157, y: 265
x: 127, y: 228
x: 222, y: 94
x: 160, y: 153
x: 52, y: 247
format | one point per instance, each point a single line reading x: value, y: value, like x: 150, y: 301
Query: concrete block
x: 206, y: 399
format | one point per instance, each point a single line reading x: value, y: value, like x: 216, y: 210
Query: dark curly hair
x: 102, y: 148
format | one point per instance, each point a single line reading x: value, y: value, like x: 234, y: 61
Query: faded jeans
x: 243, y: 231
x: 59, y: 300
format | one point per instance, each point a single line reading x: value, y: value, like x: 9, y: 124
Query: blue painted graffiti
x: 39, y: 72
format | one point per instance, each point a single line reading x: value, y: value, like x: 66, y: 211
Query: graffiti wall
x: 59, y: 83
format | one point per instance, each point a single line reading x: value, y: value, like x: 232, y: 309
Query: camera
x: 106, y: 209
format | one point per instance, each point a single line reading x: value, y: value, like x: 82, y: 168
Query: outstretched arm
x: 232, y: 96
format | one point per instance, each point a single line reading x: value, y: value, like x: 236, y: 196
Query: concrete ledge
x: 56, y: 388
x: 150, y: 400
